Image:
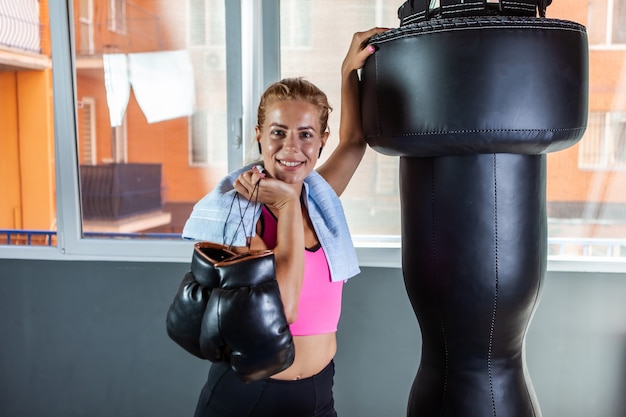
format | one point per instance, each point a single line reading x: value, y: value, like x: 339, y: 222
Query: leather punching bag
x: 472, y: 95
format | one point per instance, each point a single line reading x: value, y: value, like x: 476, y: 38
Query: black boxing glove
x: 245, y: 320
x: 184, y: 317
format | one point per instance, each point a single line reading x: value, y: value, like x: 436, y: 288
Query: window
x: 586, y: 203
x: 377, y: 187
x: 86, y: 27
x: 87, y: 144
x: 119, y: 148
x: 619, y: 22
x: 295, y: 24
x: 204, y: 150
x: 173, y: 83
x: 604, y: 144
x: 175, y: 161
x: 117, y: 16
x: 206, y: 23
x: 145, y: 160
x: 207, y: 126
x: 606, y: 22
x: 199, y: 139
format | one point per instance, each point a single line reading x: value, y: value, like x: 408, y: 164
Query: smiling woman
x: 292, y: 217
x: 105, y: 294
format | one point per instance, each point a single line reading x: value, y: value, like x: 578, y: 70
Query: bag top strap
x: 415, y: 11
x: 519, y: 7
x: 454, y: 8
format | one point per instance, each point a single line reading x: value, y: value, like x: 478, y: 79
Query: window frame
x: 256, y: 16
x: 610, y: 20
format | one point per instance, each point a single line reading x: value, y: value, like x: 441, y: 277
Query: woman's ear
x: 257, y: 131
x: 324, y: 139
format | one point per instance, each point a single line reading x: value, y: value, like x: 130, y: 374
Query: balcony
x: 20, y: 36
x: 122, y: 198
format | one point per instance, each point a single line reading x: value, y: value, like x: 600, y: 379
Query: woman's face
x: 291, y: 140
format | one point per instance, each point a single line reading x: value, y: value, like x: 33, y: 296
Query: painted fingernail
x: 371, y: 49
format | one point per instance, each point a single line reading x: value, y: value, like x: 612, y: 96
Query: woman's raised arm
x: 343, y: 162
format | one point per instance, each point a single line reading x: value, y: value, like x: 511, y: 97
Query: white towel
x: 163, y: 84
x: 210, y: 221
x: 117, y: 85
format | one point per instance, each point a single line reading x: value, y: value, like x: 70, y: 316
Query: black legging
x: 225, y: 395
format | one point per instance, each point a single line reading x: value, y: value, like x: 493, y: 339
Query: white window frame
x: 608, y: 30
x: 375, y: 251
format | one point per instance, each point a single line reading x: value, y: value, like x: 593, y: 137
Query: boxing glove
x: 184, y: 316
x: 244, y: 320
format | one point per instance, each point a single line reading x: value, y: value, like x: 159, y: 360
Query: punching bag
x: 472, y: 96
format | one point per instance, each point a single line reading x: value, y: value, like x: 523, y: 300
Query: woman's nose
x: 291, y: 141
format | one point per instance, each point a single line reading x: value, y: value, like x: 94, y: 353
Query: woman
x: 302, y: 222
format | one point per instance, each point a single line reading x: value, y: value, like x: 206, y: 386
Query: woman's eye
x: 306, y: 135
x: 277, y: 133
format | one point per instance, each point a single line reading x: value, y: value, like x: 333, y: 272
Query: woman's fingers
x: 244, y: 184
x: 359, y: 51
x: 247, y: 182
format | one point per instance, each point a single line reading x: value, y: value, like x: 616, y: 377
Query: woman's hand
x: 274, y: 193
x: 358, y: 52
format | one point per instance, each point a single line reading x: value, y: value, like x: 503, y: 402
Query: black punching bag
x: 472, y: 95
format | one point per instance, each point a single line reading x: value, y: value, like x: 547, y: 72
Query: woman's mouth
x: 290, y: 164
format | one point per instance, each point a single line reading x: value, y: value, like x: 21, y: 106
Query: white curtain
x: 117, y: 85
x: 163, y: 84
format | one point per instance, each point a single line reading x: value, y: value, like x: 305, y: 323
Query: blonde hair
x: 295, y: 89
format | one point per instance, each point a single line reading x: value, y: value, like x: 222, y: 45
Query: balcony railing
x: 115, y: 191
x: 19, y: 25
x: 49, y: 237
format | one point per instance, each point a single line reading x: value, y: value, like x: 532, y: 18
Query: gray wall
x: 88, y: 339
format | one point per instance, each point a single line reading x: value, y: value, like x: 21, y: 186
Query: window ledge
x: 382, y: 255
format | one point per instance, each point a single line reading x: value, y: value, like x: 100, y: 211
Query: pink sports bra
x: 320, y: 298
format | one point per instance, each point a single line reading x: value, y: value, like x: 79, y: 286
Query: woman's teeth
x: 290, y: 163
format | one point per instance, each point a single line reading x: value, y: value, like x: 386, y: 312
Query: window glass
x: 606, y: 22
x: 315, y: 51
x: 586, y: 183
x: 151, y: 104
x: 143, y: 164
x: 117, y: 16
x: 619, y: 22
x: 152, y: 135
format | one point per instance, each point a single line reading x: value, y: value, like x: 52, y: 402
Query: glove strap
x: 255, y: 196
